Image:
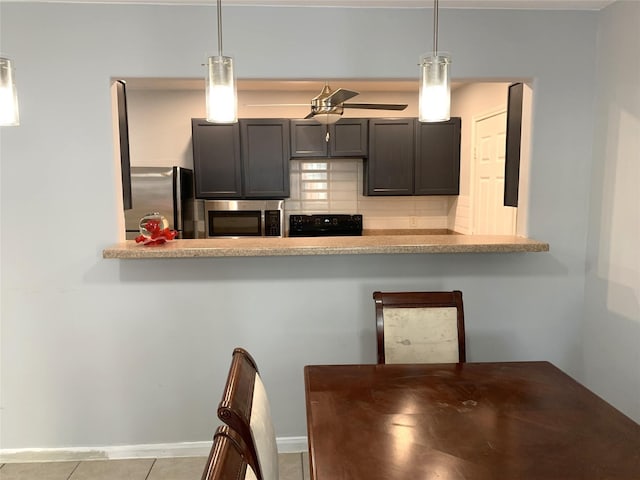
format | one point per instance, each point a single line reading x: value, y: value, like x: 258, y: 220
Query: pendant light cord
x: 435, y: 27
x: 220, y: 28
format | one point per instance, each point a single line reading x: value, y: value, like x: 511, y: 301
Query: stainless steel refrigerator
x: 166, y: 190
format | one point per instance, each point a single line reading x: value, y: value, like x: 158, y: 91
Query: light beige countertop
x: 410, y: 231
x: 367, y: 244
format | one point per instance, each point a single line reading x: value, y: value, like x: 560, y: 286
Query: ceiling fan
x: 329, y: 105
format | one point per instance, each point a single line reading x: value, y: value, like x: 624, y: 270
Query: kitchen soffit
x: 286, y: 85
x: 493, y: 4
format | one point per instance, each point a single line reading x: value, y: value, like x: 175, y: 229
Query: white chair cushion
x: 421, y: 335
x: 249, y: 474
x: 263, y: 432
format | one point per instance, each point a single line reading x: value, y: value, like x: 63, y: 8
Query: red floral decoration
x: 158, y: 235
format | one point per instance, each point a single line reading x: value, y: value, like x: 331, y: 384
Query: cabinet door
x: 437, y: 169
x: 389, y: 169
x: 348, y: 138
x: 265, y: 157
x: 216, y: 159
x: 308, y: 138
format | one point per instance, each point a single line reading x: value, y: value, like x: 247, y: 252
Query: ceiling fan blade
x: 339, y: 96
x: 311, y: 115
x: 376, y: 106
x: 277, y: 105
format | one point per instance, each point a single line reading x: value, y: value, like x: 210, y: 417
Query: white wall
x: 160, y: 126
x: 468, y: 102
x: 108, y: 352
x: 611, y: 327
x: 160, y: 117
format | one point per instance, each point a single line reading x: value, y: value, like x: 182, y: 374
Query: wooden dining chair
x: 228, y: 457
x: 245, y: 408
x: 420, y: 327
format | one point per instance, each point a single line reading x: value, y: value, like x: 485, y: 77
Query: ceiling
x: 507, y: 4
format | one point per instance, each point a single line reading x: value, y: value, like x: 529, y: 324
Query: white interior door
x: 490, y: 216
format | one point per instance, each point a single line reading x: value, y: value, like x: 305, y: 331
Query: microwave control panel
x: 272, y: 223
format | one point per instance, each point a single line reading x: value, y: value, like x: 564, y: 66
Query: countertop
x: 366, y: 244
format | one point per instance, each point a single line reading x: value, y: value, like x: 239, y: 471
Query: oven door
x: 234, y: 223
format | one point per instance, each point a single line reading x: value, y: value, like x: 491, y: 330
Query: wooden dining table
x: 472, y: 421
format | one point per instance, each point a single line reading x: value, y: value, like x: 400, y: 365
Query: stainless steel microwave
x: 244, y: 218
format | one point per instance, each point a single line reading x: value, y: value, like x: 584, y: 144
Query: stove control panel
x: 325, y: 225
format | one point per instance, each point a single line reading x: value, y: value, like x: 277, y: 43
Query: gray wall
x: 611, y: 331
x: 107, y: 352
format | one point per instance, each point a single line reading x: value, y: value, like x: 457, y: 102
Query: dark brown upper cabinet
x: 437, y: 167
x: 390, y: 167
x: 346, y: 138
x: 265, y: 157
x: 249, y: 159
x: 407, y: 157
x: 216, y: 159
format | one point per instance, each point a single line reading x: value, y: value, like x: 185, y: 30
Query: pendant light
x: 8, y: 95
x: 434, y: 103
x: 222, y: 101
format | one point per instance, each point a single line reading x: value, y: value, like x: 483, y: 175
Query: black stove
x: 325, y: 225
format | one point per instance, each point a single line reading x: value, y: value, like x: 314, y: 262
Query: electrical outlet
x: 413, y: 222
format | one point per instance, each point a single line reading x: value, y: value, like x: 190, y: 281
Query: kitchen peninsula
x: 366, y: 244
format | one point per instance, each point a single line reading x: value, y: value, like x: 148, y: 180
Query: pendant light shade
x: 222, y: 104
x: 8, y: 95
x: 221, y: 95
x: 434, y: 104
x: 435, y: 89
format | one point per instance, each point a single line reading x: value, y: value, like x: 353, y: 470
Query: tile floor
x: 293, y: 466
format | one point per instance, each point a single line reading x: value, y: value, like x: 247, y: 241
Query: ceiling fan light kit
x: 434, y: 103
x: 9, y: 115
x: 221, y: 94
x: 327, y: 118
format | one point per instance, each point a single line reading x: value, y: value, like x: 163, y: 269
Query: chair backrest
x: 228, y: 458
x: 420, y: 327
x: 245, y: 408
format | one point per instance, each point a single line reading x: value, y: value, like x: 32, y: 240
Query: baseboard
x: 157, y: 450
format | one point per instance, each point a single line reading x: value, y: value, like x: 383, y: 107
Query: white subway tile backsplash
x: 294, y: 187
x: 388, y: 205
x: 335, y: 186
x: 315, y: 186
x: 350, y: 177
x: 381, y: 223
x: 433, y: 222
x: 317, y: 175
x: 343, y: 190
x: 344, y: 165
x: 340, y: 206
x: 343, y: 195
x: 314, y: 196
x: 307, y: 165
x: 315, y: 207
x: 293, y: 205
